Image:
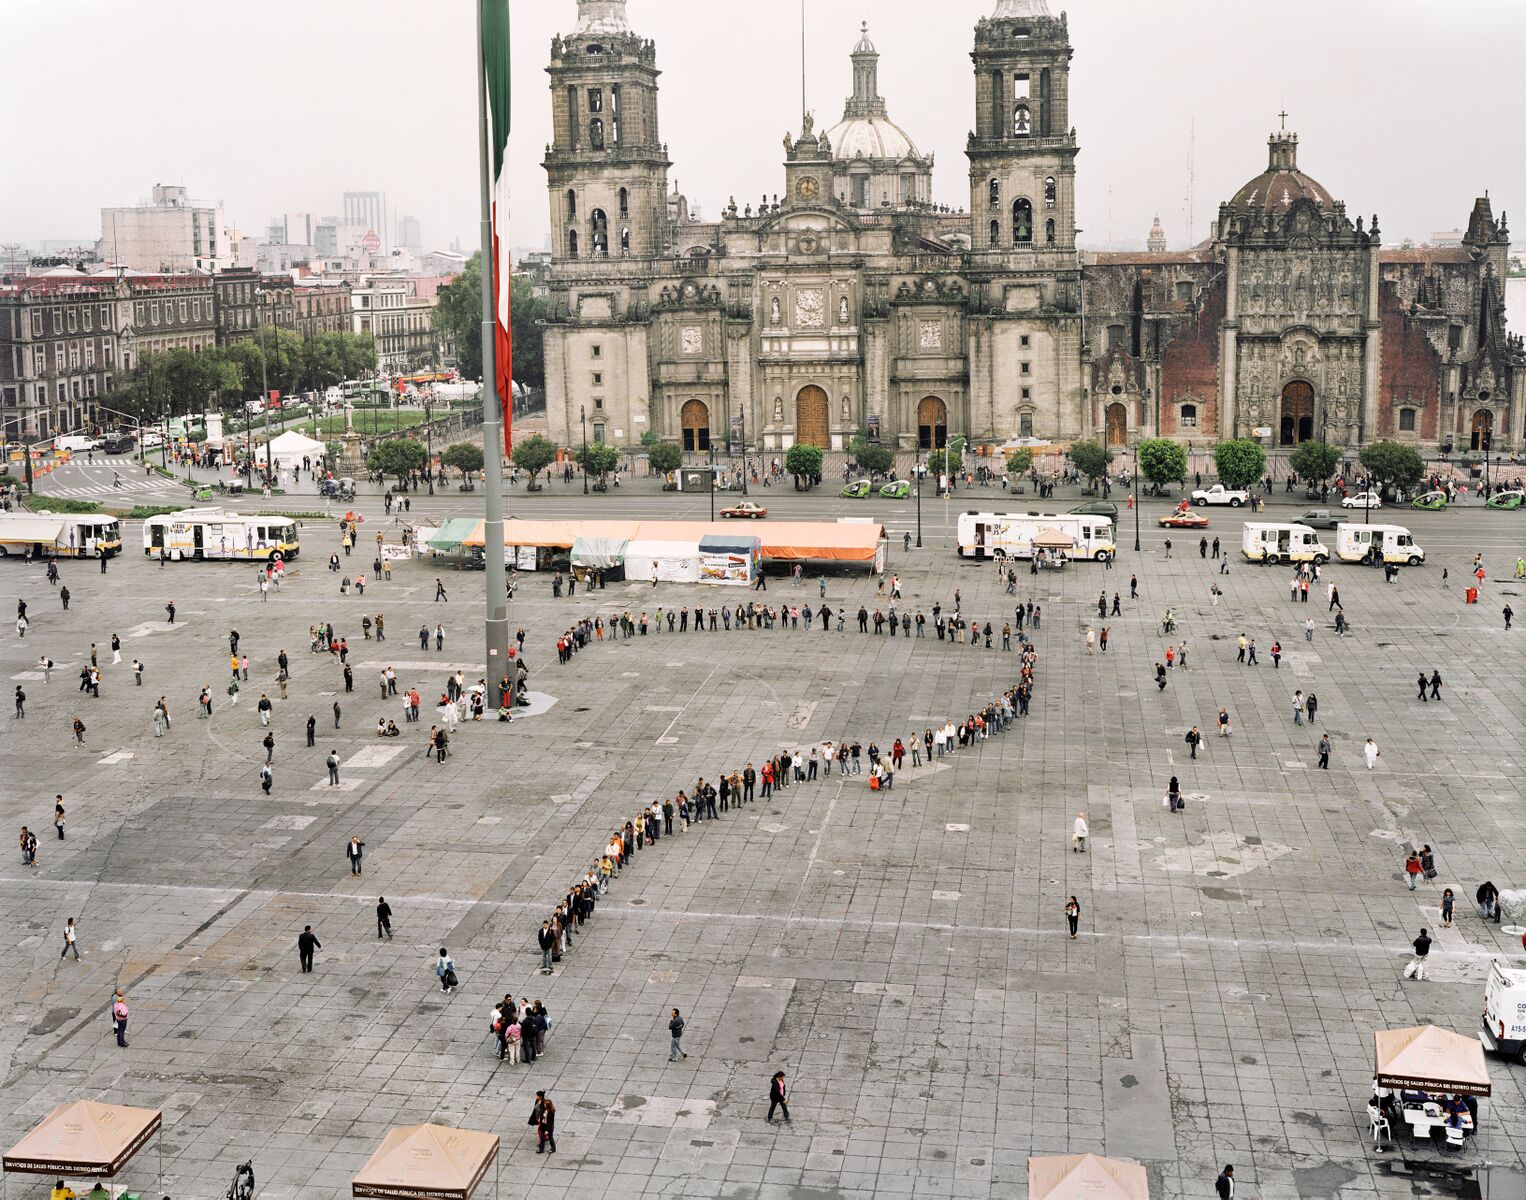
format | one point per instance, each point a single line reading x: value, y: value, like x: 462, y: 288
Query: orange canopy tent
x: 85, y: 1138
x: 428, y: 1162
x: 1085, y: 1177
x: 1431, y: 1059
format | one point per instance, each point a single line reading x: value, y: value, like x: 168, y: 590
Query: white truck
x: 1362, y: 543
x: 1504, y: 1030
x: 1219, y: 494
x: 1271, y: 542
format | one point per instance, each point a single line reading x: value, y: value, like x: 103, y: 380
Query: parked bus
x: 1362, y: 543
x: 1270, y: 542
x: 1011, y: 535
x: 209, y: 533
x: 59, y: 535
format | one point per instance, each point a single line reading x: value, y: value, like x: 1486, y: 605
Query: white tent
x: 289, y: 449
x: 676, y: 562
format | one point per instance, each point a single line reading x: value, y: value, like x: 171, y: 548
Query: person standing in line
x: 546, y: 938
x: 307, y: 942
x: 332, y: 762
x: 1073, y: 916
x: 71, y: 942
x: 1324, y: 751
x: 383, y: 919
x: 1371, y: 753
x: 676, y: 1031
x: 1416, y: 968
x: 1079, y: 834
x: 777, y: 1097
x: 119, y: 1016
x: 356, y: 849
x: 1224, y: 1185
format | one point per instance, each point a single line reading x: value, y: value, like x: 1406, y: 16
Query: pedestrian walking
x: 439, y: 590
x: 676, y: 1033
x: 1194, y: 739
x: 71, y: 940
x: 1448, y: 903
x: 116, y: 649
x: 1073, y: 916
x: 307, y: 942
x: 383, y: 919
x: 312, y: 730
x: 1324, y: 750
x: 267, y: 778
x: 58, y: 816
x: 543, y: 1117
x: 445, y: 971
x: 332, y: 761
x: 1224, y: 1185
x: 1412, y: 869
x: 1078, y: 834
x: 20, y: 702
x: 1416, y: 968
x: 1371, y: 753
x: 119, y: 1016
x: 777, y: 1097
x: 356, y: 849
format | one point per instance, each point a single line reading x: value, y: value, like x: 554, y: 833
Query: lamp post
x: 711, y: 442
x: 921, y: 470
x: 948, y: 471
x: 429, y: 437
x: 1136, y: 495
x: 259, y: 294
x: 583, y: 421
x: 742, y: 413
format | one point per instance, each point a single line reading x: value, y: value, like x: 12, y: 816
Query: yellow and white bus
x: 210, y: 533
x: 59, y: 535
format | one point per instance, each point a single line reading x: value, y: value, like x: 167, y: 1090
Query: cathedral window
x: 1020, y: 87
x: 1115, y: 337
x: 1189, y: 416
x: 572, y: 243
x: 1022, y: 121
x: 1049, y: 231
x: 1050, y: 191
x: 995, y: 190
x: 596, y: 134
x: 908, y: 188
x: 995, y: 233
x: 572, y: 205
x: 860, y: 191
x: 1454, y: 337
x: 625, y: 203
x: 1184, y: 291
x: 1406, y: 420
x: 1022, y: 222
x: 572, y: 116
x: 625, y: 241
x: 595, y: 100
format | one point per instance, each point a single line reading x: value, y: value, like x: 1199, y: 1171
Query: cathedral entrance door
x: 811, y: 418
x: 1483, y: 426
x: 695, y: 419
x: 1117, y: 426
x: 932, y: 424
x: 1297, y: 423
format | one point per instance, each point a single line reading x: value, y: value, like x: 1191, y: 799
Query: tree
x: 465, y: 457
x: 1162, y: 461
x: 1090, y: 458
x: 1393, y: 463
x: 870, y: 457
x: 804, y: 463
x: 397, y: 456
x: 1020, y: 461
x: 1315, y: 460
x: 534, y: 454
x: 598, y: 458
x: 665, y: 457
x: 458, y: 313
x: 948, y: 461
x: 1239, y: 462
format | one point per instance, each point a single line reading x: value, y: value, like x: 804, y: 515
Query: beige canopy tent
x: 428, y: 1162
x: 87, y: 1139
x: 1053, y: 539
x: 1430, y: 1059
x: 1085, y: 1177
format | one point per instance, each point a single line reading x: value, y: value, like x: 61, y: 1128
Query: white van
x: 1504, y: 1030
x: 75, y: 443
x: 1269, y: 542
x: 1361, y: 543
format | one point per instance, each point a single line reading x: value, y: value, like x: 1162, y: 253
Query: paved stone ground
x: 901, y: 956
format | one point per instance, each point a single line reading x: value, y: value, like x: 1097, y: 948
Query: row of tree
x: 192, y: 380
x: 458, y: 312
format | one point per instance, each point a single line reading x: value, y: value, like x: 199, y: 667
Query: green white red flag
x: 495, y: 66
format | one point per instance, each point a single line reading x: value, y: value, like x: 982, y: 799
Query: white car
x: 1219, y: 494
x: 1362, y: 500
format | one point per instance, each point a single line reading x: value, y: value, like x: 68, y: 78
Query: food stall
x: 1427, y: 1082
x: 1085, y: 1177
x: 1051, y: 548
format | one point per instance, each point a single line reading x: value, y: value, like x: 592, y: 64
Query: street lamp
x: 743, y: 415
x: 921, y: 470
x: 1136, y: 496
x: 259, y: 294
x: 429, y: 436
x: 583, y: 421
x: 948, y: 471
x: 711, y: 447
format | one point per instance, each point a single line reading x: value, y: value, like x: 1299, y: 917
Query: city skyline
x: 1211, y: 97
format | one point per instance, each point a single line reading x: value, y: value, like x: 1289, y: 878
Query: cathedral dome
x: 870, y: 137
x: 1282, y: 184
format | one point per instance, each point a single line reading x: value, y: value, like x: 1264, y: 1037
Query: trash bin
x: 1472, y: 595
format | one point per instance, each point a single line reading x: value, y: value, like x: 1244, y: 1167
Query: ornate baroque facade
x: 850, y: 300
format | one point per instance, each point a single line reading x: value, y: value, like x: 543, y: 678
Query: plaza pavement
x: 902, y: 956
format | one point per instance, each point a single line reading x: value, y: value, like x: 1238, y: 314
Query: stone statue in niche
x: 775, y: 315
x: 847, y: 412
x: 778, y: 409
x: 842, y: 310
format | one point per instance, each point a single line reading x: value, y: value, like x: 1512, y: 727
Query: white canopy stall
x: 674, y: 562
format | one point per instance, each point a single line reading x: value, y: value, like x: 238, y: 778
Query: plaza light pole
x: 742, y: 412
x: 921, y: 471
x: 948, y: 471
x: 583, y: 421
x: 1136, y: 496
x: 712, y: 477
x: 429, y: 437
x: 259, y: 295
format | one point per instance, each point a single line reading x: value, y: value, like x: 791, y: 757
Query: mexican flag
x: 495, y: 68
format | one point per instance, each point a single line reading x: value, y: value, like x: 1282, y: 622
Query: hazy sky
x: 1407, y: 107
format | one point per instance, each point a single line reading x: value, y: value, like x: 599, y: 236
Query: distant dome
x: 870, y: 137
x: 1282, y: 184
x: 1020, y: 9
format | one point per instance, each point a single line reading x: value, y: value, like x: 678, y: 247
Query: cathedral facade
x: 852, y: 301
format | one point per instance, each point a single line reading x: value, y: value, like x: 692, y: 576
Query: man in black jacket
x: 1224, y: 1185
x: 676, y: 1029
x: 777, y: 1098
x: 307, y: 942
x: 547, y: 939
x: 383, y: 918
x: 1416, y: 968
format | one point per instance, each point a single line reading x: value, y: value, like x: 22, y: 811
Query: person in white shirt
x: 71, y: 935
x: 1079, y: 834
x: 1370, y: 752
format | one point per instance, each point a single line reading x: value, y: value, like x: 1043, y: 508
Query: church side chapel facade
x: 851, y: 300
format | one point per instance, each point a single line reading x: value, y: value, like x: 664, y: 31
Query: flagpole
x: 497, y: 615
